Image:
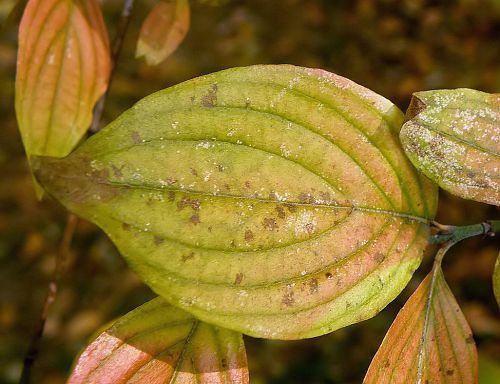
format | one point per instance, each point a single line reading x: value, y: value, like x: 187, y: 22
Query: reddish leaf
x: 158, y: 343
x: 62, y: 69
x: 163, y: 30
x: 429, y: 342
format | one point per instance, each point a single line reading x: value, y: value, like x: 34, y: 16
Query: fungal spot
x: 269, y: 223
x: 306, y: 198
x: 171, y: 181
x: 248, y: 235
x: 210, y: 229
x: 193, y: 99
x: 449, y: 372
x: 379, y: 257
x: 187, y: 202
x: 187, y: 257
x: 158, y: 240
x: 220, y: 168
x: 386, y: 363
x: 136, y: 138
x: 288, y: 299
x: 194, y: 172
x: 223, y: 363
x: 195, y: 219
x: 117, y: 171
x: 126, y: 227
x: 232, y: 244
x: 281, y: 212
x: 238, y: 278
x: 309, y: 228
x: 328, y: 275
x: 171, y: 195
x: 210, y: 99
x: 247, y: 184
x: 292, y: 208
x: 313, y: 285
x: 227, y: 187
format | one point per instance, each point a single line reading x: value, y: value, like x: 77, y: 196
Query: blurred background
x: 394, y: 47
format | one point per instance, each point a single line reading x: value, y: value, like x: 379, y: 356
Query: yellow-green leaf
x: 429, y: 342
x: 62, y: 69
x: 271, y: 200
x: 157, y: 343
x: 453, y: 136
x: 163, y: 30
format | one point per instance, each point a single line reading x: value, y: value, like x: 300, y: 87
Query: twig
x: 448, y: 233
x: 72, y: 220
x: 61, y: 259
x: 115, y: 55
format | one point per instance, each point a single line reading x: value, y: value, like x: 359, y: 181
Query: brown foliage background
x: 394, y: 47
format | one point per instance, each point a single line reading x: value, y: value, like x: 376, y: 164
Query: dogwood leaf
x: 271, y: 200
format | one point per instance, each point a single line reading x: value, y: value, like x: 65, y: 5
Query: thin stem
x: 121, y: 31
x: 448, y: 233
x: 61, y: 260
x: 72, y: 220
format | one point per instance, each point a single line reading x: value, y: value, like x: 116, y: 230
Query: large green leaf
x: 453, y: 136
x: 272, y: 200
x: 157, y: 343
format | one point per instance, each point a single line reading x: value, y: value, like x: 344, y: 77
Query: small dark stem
x: 452, y: 234
x: 72, y: 220
x: 61, y: 260
x: 115, y: 55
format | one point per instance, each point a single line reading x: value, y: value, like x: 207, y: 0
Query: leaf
x: 163, y: 30
x: 429, y: 342
x: 453, y: 136
x: 158, y: 343
x: 62, y: 69
x: 271, y: 200
x: 496, y: 280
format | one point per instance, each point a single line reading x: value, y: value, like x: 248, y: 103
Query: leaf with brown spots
x: 453, y: 136
x: 429, y: 342
x: 157, y: 343
x: 63, y: 68
x: 163, y: 30
x: 325, y: 216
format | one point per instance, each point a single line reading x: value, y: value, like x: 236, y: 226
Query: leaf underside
x: 271, y: 200
x: 444, y: 353
x: 163, y: 30
x: 62, y: 69
x: 156, y: 344
x: 453, y: 136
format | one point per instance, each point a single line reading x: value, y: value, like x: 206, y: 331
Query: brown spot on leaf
x: 288, y: 299
x: 309, y: 228
x: 292, y: 208
x: 187, y: 202
x: 449, y: 372
x: 247, y: 184
x: 238, y: 278
x: 194, y: 172
x: 210, y: 99
x: 232, y: 244
x: 171, y: 181
x: 328, y: 275
x: 248, y: 235
x: 281, y: 212
x: 195, y: 219
x: 117, y: 171
x: 313, y: 285
x: 158, y: 240
x: 136, y: 138
x: 306, y: 198
x: 379, y: 257
x: 416, y: 106
x: 126, y: 227
x: 386, y: 363
x: 220, y: 168
x: 210, y: 229
x: 187, y: 257
x: 171, y: 195
x: 470, y: 339
x: 269, y: 223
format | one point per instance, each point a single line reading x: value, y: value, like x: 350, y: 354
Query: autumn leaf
x: 157, y: 343
x: 271, y: 200
x: 453, y: 136
x: 62, y: 69
x: 163, y: 30
x: 429, y: 342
